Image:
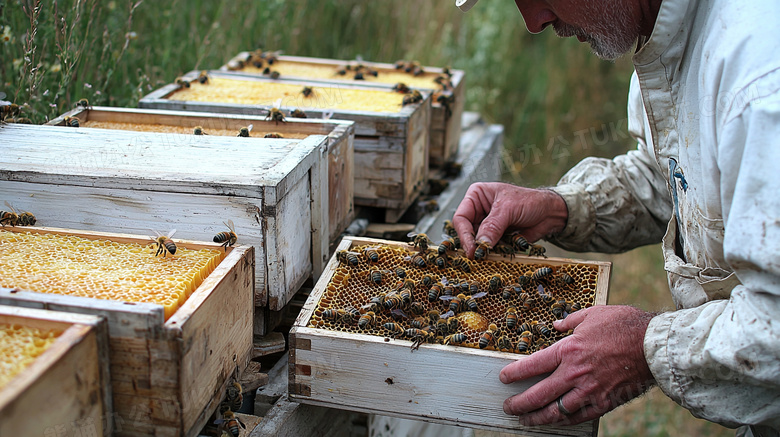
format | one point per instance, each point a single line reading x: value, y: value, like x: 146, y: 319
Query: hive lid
x: 154, y: 161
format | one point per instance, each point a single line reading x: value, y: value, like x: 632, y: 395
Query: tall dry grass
x: 557, y: 101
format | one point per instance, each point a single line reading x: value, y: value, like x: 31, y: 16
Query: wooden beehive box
x: 453, y: 385
x: 445, y: 125
x: 340, y: 133
x: 391, y: 148
x: 66, y: 388
x: 131, y: 182
x: 167, y: 376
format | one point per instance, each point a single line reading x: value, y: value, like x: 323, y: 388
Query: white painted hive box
x: 130, y: 182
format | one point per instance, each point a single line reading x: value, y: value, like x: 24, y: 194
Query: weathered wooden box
x: 67, y: 387
x: 391, y: 148
x: 340, y: 133
x: 167, y: 376
x: 450, y: 385
x: 122, y: 181
x: 445, y: 122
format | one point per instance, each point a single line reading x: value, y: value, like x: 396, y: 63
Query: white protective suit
x: 704, y: 106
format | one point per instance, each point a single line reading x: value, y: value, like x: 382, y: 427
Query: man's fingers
x: 571, y: 321
x: 538, y: 363
x: 550, y: 415
x: 538, y: 395
x: 492, y: 228
x: 465, y: 218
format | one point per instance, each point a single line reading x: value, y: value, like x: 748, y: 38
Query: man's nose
x: 536, y: 14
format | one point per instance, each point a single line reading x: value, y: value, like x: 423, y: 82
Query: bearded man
x: 704, y: 108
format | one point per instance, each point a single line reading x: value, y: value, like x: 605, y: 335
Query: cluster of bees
x: 358, y: 70
x: 12, y: 218
x: 423, y: 294
x: 261, y: 60
x: 10, y: 113
x: 274, y: 114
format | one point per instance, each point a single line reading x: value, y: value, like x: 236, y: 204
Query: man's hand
x: 596, y: 369
x: 490, y: 209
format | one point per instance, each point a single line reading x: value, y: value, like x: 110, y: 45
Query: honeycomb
x: 171, y: 129
x: 351, y: 286
x: 19, y: 346
x: 321, y: 71
x: 102, y: 269
x: 249, y: 92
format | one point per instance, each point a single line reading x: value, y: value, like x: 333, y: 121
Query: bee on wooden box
x: 228, y: 238
x: 72, y: 121
x: 198, y: 130
x: 488, y: 337
x: 402, y: 88
x: 203, y: 77
x: 83, y: 103
x: 10, y: 218
x: 275, y: 135
x: 347, y: 257
x: 412, y: 98
x: 482, y: 250
x: 164, y: 243
x: 449, y: 229
x: 184, y: 83
x: 307, y: 91
x: 297, y: 113
x: 244, y: 131
x: 276, y: 115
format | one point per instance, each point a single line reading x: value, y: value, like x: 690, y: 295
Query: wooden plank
x: 71, y: 366
x: 271, y: 343
x: 267, y: 396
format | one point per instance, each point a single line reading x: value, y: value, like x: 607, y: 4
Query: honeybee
x: 447, y: 70
x: 367, y: 320
x: 482, y: 250
x: 393, y: 301
x: 341, y: 71
x: 184, y: 83
x: 26, y: 219
x: 297, y: 113
x: 428, y: 206
x: 416, y: 308
x: 198, y: 130
x: 72, y: 121
x: 495, y: 283
x: 462, y: 263
x: 537, y: 250
x: 420, y: 241
x: 433, y: 316
x: 267, y: 71
x: 558, y: 309
x: 473, y: 287
x: 233, y: 398
x: 435, y: 291
x: 527, y: 301
x: 9, y: 111
x: 442, y: 326
x: 402, y: 88
x: 455, y: 338
x: 307, y: 91
x: 546, y: 298
x: 511, y: 317
x: 271, y: 57
x: 471, y: 301
x: 335, y: 315
x: 83, y: 103
x: 9, y: 217
x: 376, y: 303
x: 510, y: 290
x: 449, y: 229
x: 570, y: 306
x: 505, y: 250
x: 359, y: 76
x: 400, y: 272
x: 448, y: 244
x: 394, y: 328
x: 524, y: 342
x: 244, y: 131
x: 412, y: 66
x: 276, y: 115
x: 351, y: 316
x: 164, y: 243
x: 446, y: 99
x: 273, y: 135
x: 504, y: 343
x: 519, y: 242
x: 541, y: 274
x: 399, y: 65
x: 412, y: 98
x: 427, y: 280
x: 524, y: 327
x: 419, y: 261
x: 488, y: 337
x: 440, y: 261
x: 448, y: 290
x: 376, y: 275
x: 203, y: 77
x: 419, y: 336
x: 227, y: 238
x: 275, y: 75
x: 540, y: 329
x: 565, y: 280
x: 347, y: 257
x: 406, y: 296
x: 232, y: 423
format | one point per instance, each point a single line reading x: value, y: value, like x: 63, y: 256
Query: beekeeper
x: 704, y: 107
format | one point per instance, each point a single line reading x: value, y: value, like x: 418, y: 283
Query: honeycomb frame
x: 492, y: 306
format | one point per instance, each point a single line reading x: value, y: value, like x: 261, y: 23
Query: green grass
x: 557, y: 101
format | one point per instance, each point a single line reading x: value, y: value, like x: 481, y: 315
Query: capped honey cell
x: 102, y: 269
x: 20, y: 346
x: 534, y: 293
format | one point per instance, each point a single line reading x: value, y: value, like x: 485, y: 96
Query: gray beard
x: 608, y: 42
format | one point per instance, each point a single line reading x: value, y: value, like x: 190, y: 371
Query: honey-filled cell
x: 534, y: 294
x: 19, y: 346
x: 102, y: 269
